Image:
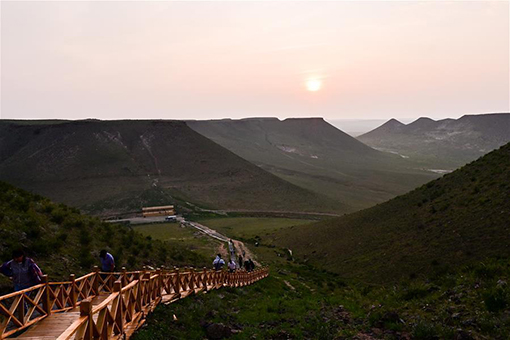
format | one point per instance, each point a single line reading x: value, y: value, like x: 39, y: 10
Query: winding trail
x: 239, y: 246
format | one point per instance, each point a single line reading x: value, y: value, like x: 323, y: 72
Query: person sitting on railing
x: 22, y: 270
x: 218, y: 262
x: 232, y: 266
x: 107, y: 261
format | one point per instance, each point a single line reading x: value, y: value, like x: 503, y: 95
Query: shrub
x: 85, y: 258
x: 495, y: 299
x: 85, y: 237
x: 426, y: 331
x: 415, y: 292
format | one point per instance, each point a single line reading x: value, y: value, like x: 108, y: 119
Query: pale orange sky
x: 205, y: 60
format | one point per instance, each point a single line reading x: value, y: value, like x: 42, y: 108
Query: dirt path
x: 206, y: 230
x: 240, y: 246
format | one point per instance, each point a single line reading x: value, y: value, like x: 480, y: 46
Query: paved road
x: 208, y: 231
x: 140, y: 220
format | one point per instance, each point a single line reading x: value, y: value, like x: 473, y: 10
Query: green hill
x: 315, y: 155
x: 64, y: 241
x: 442, y: 144
x: 460, y: 218
x: 106, y: 167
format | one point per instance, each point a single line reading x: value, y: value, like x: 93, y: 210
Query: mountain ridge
x: 130, y: 163
x: 446, y: 143
x: 315, y: 155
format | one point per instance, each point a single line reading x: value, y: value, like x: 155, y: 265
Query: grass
x: 64, y: 241
x: 250, y: 228
x: 458, y: 219
x: 264, y: 310
x: 183, y: 237
x: 299, y: 301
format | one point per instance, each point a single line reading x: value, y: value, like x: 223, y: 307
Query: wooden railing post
x: 204, y: 280
x: 95, y: 283
x: 124, y: 277
x: 139, y: 304
x: 46, y: 296
x: 192, y: 278
x: 86, y: 310
x: 119, y: 312
x: 147, y: 285
x: 72, y: 291
x: 21, y: 308
x: 177, y: 285
x: 159, y: 283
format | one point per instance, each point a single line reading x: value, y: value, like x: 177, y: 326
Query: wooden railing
x: 131, y: 296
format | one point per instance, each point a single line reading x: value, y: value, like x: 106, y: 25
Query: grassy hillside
x: 460, y: 218
x: 442, y: 144
x: 300, y: 301
x: 317, y: 156
x: 63, y: 241
x: 106, y: 167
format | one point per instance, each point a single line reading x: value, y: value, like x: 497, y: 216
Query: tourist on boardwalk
x: 231, y: 248
x: 23, y: 271
x: 107, y: 261
x: 232, y: 266
x: 218, y: 262
x: 240, y: 261
x: 251, y: 265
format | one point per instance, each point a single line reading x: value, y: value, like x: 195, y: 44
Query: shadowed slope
x: 119, y: 165
x: 460, y: 218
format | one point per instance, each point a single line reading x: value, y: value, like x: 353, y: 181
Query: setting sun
x: 313, y: 85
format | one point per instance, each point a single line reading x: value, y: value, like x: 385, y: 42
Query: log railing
x: 131, y: 296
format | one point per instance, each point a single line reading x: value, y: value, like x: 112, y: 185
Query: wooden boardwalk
x: 105, y: 305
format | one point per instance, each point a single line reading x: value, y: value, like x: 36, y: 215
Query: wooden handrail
x: 131, y: 296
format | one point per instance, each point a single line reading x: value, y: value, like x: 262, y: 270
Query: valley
x: 316, y: 156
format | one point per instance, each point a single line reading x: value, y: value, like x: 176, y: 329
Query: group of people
x: 218, y: 264
x: 25, y: 273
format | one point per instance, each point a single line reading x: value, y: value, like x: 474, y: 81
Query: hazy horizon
x: 212, y: 60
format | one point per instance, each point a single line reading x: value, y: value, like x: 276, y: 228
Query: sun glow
x: 313, y: 85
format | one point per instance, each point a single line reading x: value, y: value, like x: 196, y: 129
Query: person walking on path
x: 107, y: 261
x: 251, y: 265
x: 23, y: 271
x: 240, y: 261
x: 232, y: 266
x: 218, y: 262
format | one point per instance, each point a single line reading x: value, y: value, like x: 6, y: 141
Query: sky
x: 211, y: 60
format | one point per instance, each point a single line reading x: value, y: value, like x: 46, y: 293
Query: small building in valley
x: 164, y: 210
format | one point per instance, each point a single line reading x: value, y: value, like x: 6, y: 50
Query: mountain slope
x: 315, y: 155
x: 444, y: 143
x: 64, y: 241
x: 460, y: 218
x: 123, y: 165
